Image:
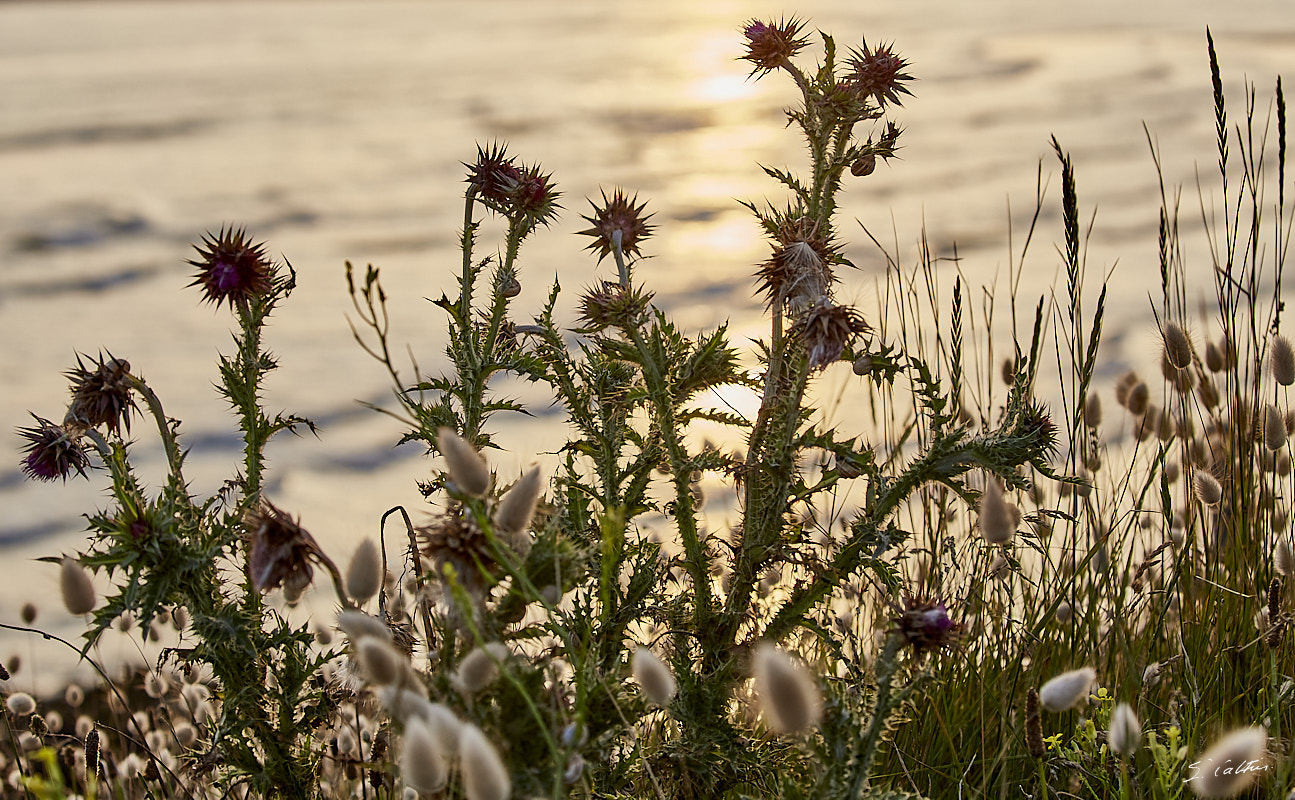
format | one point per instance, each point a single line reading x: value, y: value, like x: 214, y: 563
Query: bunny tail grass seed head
x: 1282, y: 360
x: 356, y: 625
x: 1284, y: 557
x: 997, y: 524
x: 380, y: 661
x: 484, y: 774
x: 1178, y: 347
x: 1067, y: 689
x: 467, y: 468
x: 422, y: 764
x: 1126, y: 732
x: 1274, y: 428
x: 21, y: 704
x: 1208, y: 489
x: 364, y: 576
x: 1231, y: 763
x: 78, y: 591
x: 653, y: 676
x: 787, y: 693
x: 517, y: 506
x: 479, y: 668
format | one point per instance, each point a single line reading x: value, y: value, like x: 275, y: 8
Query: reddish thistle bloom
x: 877, y: 73
x: 771, y: 45
x: 101, y: 394
x: 493, y: 173
x: 231, y: 268
x: 619, y: 214
x: 926, y: 625
x: 280, y: 550
x: 826, y: 329
x: 52, y: 451
x: 531, y: 196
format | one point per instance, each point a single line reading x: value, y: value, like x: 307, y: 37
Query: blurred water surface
x: 335, y: 131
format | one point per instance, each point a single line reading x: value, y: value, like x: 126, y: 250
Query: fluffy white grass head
x: 1208, y: 489
x: 422, y: 763
x: 1282, y: 360
x: 21, y: 704
x: 517, y: 506
x: 479, y: 668
x: 997, y: 524
x: 380, y: 661
x: 364, y: 576
x: 1067, y: 690
x: 78, y: 591
x: 787, y: 693
x: 1231, y: 763
x: 1126, y: 732
x: 356, y: 625
x: 484, y: 774
x: 653, y: 676
x: 1178, y: 346
x: 467, y: 468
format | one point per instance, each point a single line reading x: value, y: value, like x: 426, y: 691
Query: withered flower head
x: 826, y: 329
x: 101, y: 394
x: 800, y: 268
x: 280, y: 550
x: 493, y: 173
x: 876, y: 72
x: 531, y: 196
x: 926, y: 626
x: 454, y: 539
x: 619, y: 213
x: 52, y: 451
x: 769, y: 45
x: 610, y: 305
x: 231, y: 269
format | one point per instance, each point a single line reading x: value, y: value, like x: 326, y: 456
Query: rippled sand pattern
x: 335, y: 130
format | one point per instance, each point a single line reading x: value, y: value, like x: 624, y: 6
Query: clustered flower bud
x: 102, y: 394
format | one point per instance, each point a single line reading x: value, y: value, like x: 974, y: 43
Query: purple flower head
x: 877, y: 73
x: 771, y: 45
x: 52, y: 451
x: 231, y: 269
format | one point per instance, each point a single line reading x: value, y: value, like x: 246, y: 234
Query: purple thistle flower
x: 52, y: 451
x: 231, y: 269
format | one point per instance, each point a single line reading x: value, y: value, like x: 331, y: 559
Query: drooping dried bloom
x: 423, y: 765
x: 364, y: 576
x: 467, y: 468
x: 1033, y: 724
x: 231, y: 269
x: 52, y: 451
x: 1178, y: 346
x: 788, y: 696
x: 1126, y: 732
x: 484, y: 774
x: 997, y: 525
x: 799, y: 271
x: 610, y: 305
x: 878, y: 73
x: 1208, y: 489
x: 517, y: 506
x: 653, y: 676
x: 479, y: 668
x: 926, y: 625
x: 769, y: 45
x: 1067, y: 689
x: 826, y: 330
x: 618, y: 214
x: 101, y: 394
x: 1231, y: 763
x: 1282, y: 359
x: 279, y: 550
x: 1274, y: 428
x: 21, y: 704
x: 78, y: 591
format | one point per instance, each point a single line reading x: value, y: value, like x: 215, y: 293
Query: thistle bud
x: 787, y: 693
x: 653, y: 676
x: 467, y: 468
x: 364, y: 576
x: 78, y: 591
x: 1067, y: 689
x: 484, y: 774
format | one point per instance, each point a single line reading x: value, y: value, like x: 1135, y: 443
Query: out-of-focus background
x: 335, y: 131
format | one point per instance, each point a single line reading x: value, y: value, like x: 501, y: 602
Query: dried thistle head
x: 878, y: 73
x: 799, y: 271
x: 492, y: 173
x: 53, y: 451
x: 454, y: 539
x: 770, y: 45
x: 280, y: 551
x: 619, y: 214
x: 826, y: 329
x: 231, y: 268
x: 102, y: 394
x: 926, y: 626
x: 610, y: 305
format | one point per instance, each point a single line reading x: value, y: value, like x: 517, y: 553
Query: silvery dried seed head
x: 517, y: 506
x: 1178, y: 347
x: 479, y: 668
x: 1231, y: 763
x: 78, y: 591
x: 996, y: 523
x: 1067, y: 689
x: 1208, y: 489
x: 787, y: 693
x: 467, y: 468
x: 364, y: 576
x: 484, y: 775
x: 422, y: 764
x: 1126, y: 732
x: 1282, y: 360
x: 356, y: 625
x: 381, y: 662
x: 653, y: 676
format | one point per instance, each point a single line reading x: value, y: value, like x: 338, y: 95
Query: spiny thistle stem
x: 165, y: 429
